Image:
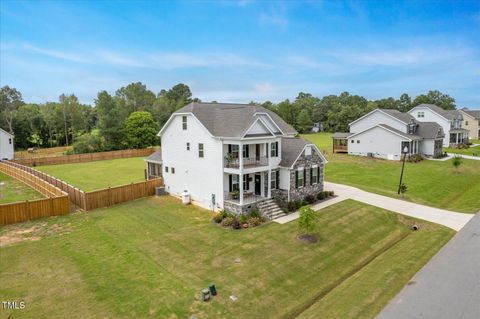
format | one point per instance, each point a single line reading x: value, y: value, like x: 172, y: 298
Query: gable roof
x: 231, y: 120
x: 430, y: 130
x: 474, y: 113
x: 405, y: 118
x: 292, y: 147
x: 447, y: 114
x: 2, y: 130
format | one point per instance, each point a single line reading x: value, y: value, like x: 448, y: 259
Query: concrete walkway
x: 444, y: 217
x: 448, y: 286
x: 476, y: 158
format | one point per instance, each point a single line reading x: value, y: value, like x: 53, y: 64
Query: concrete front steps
x: 270, y: 209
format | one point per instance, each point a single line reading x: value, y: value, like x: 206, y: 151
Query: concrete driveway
x: 444, y: 217
x: 448, y: 286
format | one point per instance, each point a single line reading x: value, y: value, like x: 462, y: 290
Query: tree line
x: 132, y: 116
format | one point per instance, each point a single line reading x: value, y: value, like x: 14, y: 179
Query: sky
x: 242, y: 51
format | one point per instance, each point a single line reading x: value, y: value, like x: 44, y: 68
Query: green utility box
x: 213, y: 289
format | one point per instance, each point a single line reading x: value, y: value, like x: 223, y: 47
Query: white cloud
x: 56, y: 54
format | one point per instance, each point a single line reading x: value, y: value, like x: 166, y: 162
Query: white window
x: 466, y: 124
x: 200, y: 150
x: 188, y: 146
x: 308, y: 151
x: 233, y: 150
x: 166, y: 169
x: 173, y: 170
x: 10, y: 140
x: 352, y: 141
x: 246, y: 149
x: 300, y: 172
x: 273, y: 182
x: 314, y: 174
x: 184, y: 122
x: 274, y: 149
x: 358, y: 141
x: 420, y: 114
x: 235, y: 184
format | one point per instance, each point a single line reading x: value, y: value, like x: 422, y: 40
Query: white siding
x: 377, y: 118
x: 258, y: 128
x: 284, y: 178
x: 202, y: 177
x: 427, y: 147
x: 380, y: 142
x: 6, y: 148
x: 431, y: 116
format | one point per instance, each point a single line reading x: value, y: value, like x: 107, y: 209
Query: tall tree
x: 141, y: 130
x: 10, y: 101
x: 305, y: 122
x: 404, y: 103
x: 135, y: 97
x: 109, y: 121
x: 436, y: 97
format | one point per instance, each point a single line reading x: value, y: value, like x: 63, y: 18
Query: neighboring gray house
x: 471, y: 122
x: 237, y: 157
x: 449, y: 120
x: 385, y: 133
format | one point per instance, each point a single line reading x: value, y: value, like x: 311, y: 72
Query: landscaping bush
x: 217, y: 218
x: 254, y: 221
x: 228, y: 221
x: 291, y: 207
x: 236, y: 224
x: 310, y: 199
x: 255, y: 213
x: 87, y: 143
x: 330, y: 193
x: 415, y: 158
x: 321, y: 195
x: 243, y: 218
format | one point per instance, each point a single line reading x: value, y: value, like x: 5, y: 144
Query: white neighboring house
x: 385, y: 133
x: 235, y: 156
x: 450, y: 120
x: 6, y: 145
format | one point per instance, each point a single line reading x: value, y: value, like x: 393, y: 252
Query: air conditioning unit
x: 160, y: 191
x: 369, y: 154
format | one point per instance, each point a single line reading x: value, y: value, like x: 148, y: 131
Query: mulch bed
x: 310, y: 239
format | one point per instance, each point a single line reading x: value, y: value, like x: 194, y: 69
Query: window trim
x: 300, y: 171
x: 184, y: 122
x: 201, y: 150
x: 274, y: 149
x: 314, y: 171
x: 273, y: 180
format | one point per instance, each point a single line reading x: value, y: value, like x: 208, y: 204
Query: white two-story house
x: 386, y: 133
x: 235, y: 156
x: 449, y: 120
x: 6, y: 145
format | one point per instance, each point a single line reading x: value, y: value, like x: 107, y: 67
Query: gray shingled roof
x: 231, y: 120
x: 409, y: 136
x: 341, y: 135
x: 429, y: 130
x: 291, y: 148
x: 474, y: 113
x: 404, y: 117
x: 448, y: 114
x: 155, y: 157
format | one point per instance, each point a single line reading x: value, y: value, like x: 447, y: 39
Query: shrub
x: 291, y: 206
x: 243, y: 218
x: 321, y: 195
x: 236, y: 224
x: 217, y: 218
x: 254, y: 221
x: 331, y: 193
x: 255, y: 213
x: 415, y: 158
x: 88, y: 143
x: 228, y: 221
x: 310, y: 199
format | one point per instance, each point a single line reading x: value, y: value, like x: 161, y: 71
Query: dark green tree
x: 141, y: 130
x: 304, y: 123
x: 109, y: 122
x: 10, y: 101
x: 436, y: 97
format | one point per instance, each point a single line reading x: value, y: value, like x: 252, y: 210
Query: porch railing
x: 247, y: 162
x: 248, y: 197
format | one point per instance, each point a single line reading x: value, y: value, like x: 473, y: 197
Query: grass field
x: 431, y: 183
x: 12, y: 190
x: 151, y: 258
x: 99, y: 174
x: 472, y: 151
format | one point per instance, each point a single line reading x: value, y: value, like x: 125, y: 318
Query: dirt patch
x: 13, y: 234
x: 310, y: 239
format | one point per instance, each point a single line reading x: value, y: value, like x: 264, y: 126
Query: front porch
x: 340, y: 142
x: 458, y: 136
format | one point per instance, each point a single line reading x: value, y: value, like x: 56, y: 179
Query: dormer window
x: 420, y: 114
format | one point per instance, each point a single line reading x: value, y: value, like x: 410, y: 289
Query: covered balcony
x: 253, y: 155
x: 245, y: 189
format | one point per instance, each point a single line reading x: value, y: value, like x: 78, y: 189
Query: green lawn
x: 99, y: 174
x: 465, y: 151
x: 12, y: 190
x: 432, y: 183
x: 150, y: 258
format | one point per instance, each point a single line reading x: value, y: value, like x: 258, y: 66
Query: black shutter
x: 247, y: 184
x: 276, y: 149
x: 229, y: 148
x: 266, y: 145
x: 277, y: 176
x: 296, y: 179
x: 311, y: 175
x: 304, y: 175
x: 230, y: 183
x: 318, y: 174
x: 247, y: 151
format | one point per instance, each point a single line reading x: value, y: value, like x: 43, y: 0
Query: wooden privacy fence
x: 87, y: 157
x: 99, y: 198
x: 57, y: 203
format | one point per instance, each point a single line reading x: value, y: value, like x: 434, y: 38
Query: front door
x: 258, y: 185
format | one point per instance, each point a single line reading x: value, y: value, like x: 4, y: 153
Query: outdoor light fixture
x: 405, y: 151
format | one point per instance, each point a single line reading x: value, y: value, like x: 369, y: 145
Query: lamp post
x: 405, y: 151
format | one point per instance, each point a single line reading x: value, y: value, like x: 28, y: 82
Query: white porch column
x: 240, y: 176
x: 269, y: 186
x: 456, y: 135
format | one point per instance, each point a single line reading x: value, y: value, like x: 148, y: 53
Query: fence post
x: 109, y: 196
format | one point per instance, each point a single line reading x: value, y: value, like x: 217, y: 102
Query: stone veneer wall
x: 237, y: 209
x: 307, y: 162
